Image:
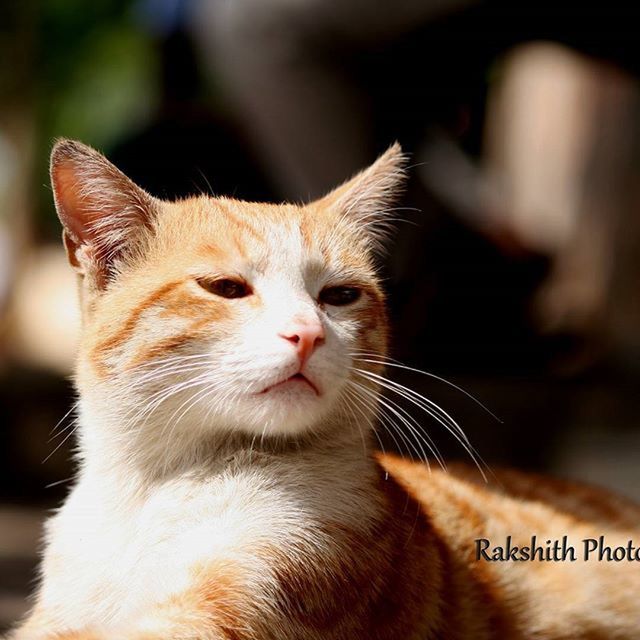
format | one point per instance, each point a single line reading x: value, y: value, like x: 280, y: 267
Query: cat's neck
x: 337, y: 458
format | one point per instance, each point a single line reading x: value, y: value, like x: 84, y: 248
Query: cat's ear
x: 104, y: 214
x: 366, y: 199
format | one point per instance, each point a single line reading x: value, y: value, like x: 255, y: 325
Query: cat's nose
x: 305, y: 336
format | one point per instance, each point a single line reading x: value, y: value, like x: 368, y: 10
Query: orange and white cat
x: 228, y: 487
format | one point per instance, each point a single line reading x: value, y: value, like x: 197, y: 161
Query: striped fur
x: 221, y: 511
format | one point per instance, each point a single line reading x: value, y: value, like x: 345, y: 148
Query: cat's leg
x: 158, y: 624
x: 219, y: 605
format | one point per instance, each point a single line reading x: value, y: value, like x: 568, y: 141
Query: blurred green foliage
x: 96, y: 70
x: 85, y: 69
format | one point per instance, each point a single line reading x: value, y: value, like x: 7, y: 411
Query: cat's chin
x: 292, y: 386
x: 294, y: 406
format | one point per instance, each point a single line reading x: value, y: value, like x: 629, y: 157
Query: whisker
x: 57, y: 482
x: 54, y: 435
x: 352, y: 410
x: 420, y: 452
x: 75, y: 426
x: 194, y: 399
x: 408, y: 421
x: 389, y: 362
x: 159, y: 397
x: 375, y: 409
x: 433, y: 411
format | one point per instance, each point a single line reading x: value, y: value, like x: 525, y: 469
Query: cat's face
x: 259, y: 306
x: 214, y: 313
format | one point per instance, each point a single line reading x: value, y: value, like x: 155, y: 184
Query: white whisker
x: 389, y: 362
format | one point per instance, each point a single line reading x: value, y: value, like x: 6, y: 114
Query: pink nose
x: 305, y: 336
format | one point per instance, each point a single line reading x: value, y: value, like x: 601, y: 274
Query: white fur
x: 175, y: 476
x: 121, y: 544
x: 152, y: 503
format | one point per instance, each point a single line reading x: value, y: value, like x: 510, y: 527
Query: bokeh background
x: 515, y: 271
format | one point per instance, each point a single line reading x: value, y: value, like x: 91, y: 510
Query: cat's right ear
x: 104, y: 214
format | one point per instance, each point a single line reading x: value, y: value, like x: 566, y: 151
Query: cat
x: 228, y: 376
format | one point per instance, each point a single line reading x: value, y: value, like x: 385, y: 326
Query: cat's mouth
x: 296, y: 379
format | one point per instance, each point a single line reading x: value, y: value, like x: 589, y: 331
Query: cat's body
x: 290, y: 546
x: 228, y: 487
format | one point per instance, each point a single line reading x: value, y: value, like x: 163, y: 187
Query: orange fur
x: 368, y: 546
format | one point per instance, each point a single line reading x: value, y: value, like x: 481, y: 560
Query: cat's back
x: 545, y: 555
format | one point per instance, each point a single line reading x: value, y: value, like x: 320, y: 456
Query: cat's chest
x: 146, y: 550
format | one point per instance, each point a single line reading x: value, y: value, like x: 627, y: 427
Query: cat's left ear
x: 103, y: 213
x: 365, y: 200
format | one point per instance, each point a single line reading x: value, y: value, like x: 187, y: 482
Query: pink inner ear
x: 99, y: 207
x: 71, y: 207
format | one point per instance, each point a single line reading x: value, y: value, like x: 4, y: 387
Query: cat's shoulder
x: 483, y: 491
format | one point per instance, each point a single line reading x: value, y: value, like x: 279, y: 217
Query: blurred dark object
x: 32, y: 403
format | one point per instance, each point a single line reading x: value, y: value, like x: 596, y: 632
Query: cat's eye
x: 339, y: 296
x: 225, y: 287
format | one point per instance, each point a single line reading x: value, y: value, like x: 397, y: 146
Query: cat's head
x: 210, y: 313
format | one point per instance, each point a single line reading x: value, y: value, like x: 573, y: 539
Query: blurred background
x: 515, y: 271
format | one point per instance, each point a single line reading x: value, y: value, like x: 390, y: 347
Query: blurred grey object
x: 562, y: 163
x: 309, y: 124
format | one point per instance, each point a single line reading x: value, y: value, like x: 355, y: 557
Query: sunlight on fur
x: 229, y: 381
